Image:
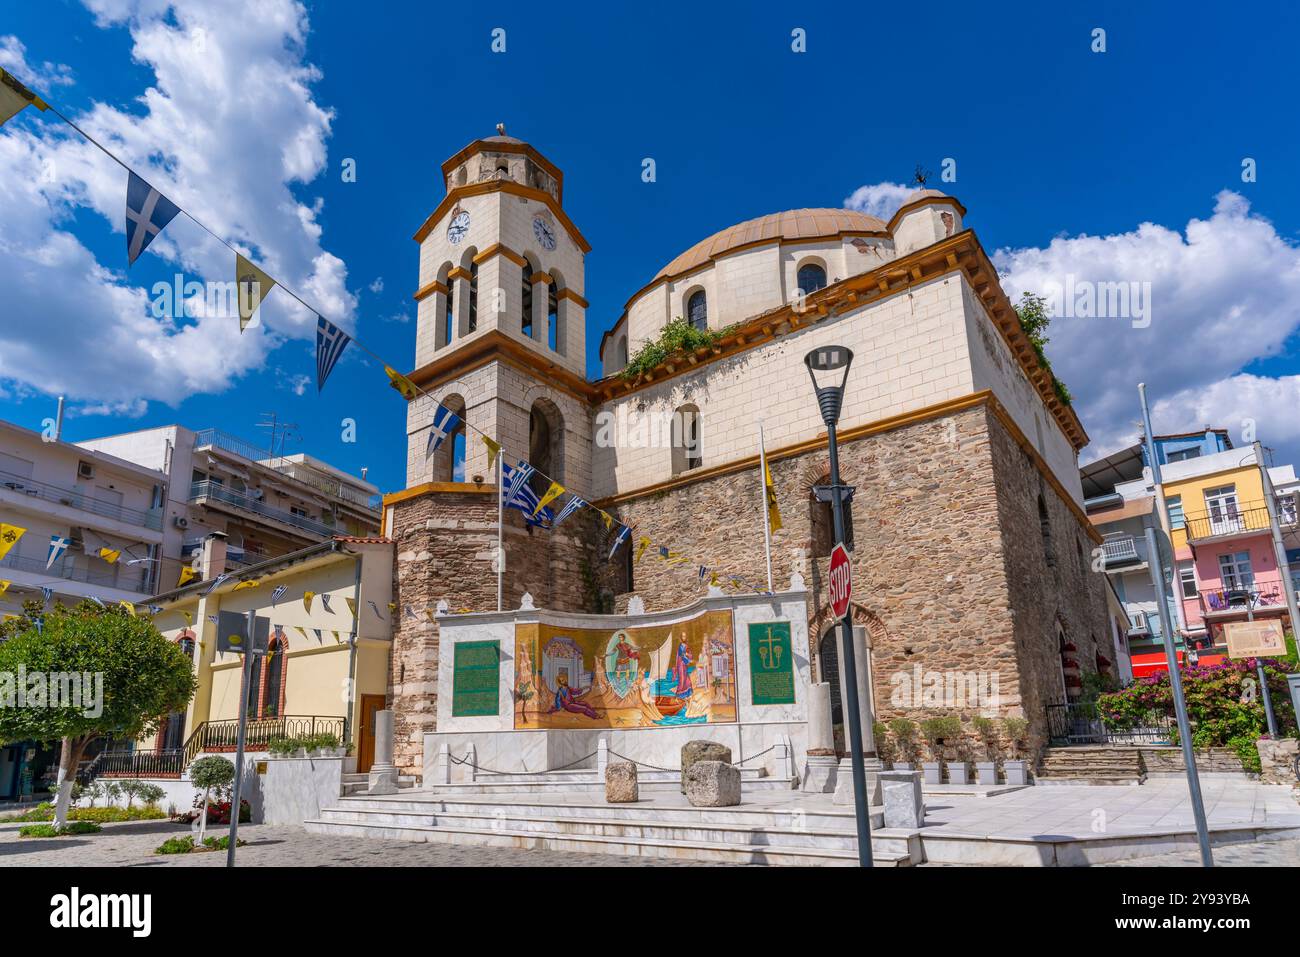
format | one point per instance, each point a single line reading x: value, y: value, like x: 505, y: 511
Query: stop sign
x: 841, y: 581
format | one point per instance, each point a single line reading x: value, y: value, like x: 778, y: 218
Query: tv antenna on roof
x: 280, y: 432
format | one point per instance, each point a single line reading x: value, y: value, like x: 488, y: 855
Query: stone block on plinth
x: 693, y: 751
x: 844, y: 781
x: 904, y: 806
x: 620, y: 783
x: 713, y: 784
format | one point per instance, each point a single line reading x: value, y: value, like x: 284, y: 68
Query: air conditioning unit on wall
x: 180, y: 521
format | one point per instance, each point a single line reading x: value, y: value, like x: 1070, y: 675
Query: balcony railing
x: 215, y: 491
x: 299, y: 471
x: 224, y: 735
x: 75, y: 567
x: 72, y: 498
x: 1242, y: 597
x: 1122, y: 550
x: 1244, y: 519
x: 152, y: 763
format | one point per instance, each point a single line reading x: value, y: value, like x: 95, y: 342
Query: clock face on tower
x: 544, y: 233
x: 458, y: 227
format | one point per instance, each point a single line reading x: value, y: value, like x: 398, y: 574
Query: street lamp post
x: 826, y: 365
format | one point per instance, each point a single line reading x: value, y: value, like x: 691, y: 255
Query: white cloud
x: 1223, y: 292
x: 228, y: 125
x: 377, y: 285
x: 13, y: 57
x: 879, y: 199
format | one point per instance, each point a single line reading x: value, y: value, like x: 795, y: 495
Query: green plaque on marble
x: 771, y: 663
x: 476, y: 679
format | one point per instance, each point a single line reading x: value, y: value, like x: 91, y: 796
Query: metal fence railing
x: 82, y: 501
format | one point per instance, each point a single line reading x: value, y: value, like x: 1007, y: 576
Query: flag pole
x: 500, y: 520
x: 762, y: 492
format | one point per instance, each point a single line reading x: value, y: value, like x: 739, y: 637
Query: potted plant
x: 935, y: 730
x: 885, y: 749
x: 904, y: 733
x: 958, y: 746
x: 1017, y: 769
x: 986, y: 771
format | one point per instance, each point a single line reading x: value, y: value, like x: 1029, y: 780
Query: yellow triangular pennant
x: 641, y: 545
x: 4, y: 585
x: 352, y: 605
x: 773, y: 512
x: 187, y: 575
x: 14, y: 97
x: 552, y: 493
x: 9, y: 535
x: 253, y: 286
x: 130, y: 608
x: 494, y: 449
x: 401, y: 383
x: 188, y: 616
x: 110, y: 555
x: 247, y: 583
x: 307, y: 596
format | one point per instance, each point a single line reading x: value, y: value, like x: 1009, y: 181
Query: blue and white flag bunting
x: 445, y: 422
x: 147, y: 214
x: 330, y: 343
x: 46, y: 595
x: 215, y: 583
x: 623, y: 533
x: 572, y: 505
x: 98, y: 602
x: 517, y: 493
x: 212, y: 618
x: 278, y: 594
x: 58, y: 545
x: 325, y: 600
x: 375, y: 609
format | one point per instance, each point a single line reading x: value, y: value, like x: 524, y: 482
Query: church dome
x: 792, y: 224
x: 921, y: 194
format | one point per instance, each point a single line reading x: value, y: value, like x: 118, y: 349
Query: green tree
x: 141, y: 677
x: 208, y: 773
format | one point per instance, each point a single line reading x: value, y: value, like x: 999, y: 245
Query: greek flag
x: 444, y: 424
x: 623, y: 533
x: 572, y: 505
x: 703, y: 572
x: 147, y: 214
x: 58, y: 545
x: 216, y: 582
x: 516, y: 493
x: 154, y: 609
x: 46, y: 595
x: 330, y: 343
x: 278, y: 594
x: 325, y: 600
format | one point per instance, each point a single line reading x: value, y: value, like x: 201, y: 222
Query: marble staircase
x: 1092, y: 764
x: 661, y: 825
x: 589, y: 781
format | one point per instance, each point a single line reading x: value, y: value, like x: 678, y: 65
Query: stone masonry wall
x: 445, y: 544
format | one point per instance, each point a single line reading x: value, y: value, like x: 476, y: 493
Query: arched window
x: 686, y: 439
x: 620, y: 352
x: 811, y: 278
x: 449, y: 314
x: 448, y: 463
x: 697, y: 310
x: 526, y: 320
x: 274, y: 677
x: 254, y: 686
x: 545, y: 444
x: 1045, y: 529
x: 473, y: 296
x: 553, y: 317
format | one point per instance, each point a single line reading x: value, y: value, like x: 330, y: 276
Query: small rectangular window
x: 1175, y: 505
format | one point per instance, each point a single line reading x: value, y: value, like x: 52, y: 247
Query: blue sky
x: 1051, y: 141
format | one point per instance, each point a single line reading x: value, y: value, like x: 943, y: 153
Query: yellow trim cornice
x: 497, y: 249
x: 425, y: 291
x: 441, y: 488
x: 495, y: 346
x: 458, y: 273
x: 567, y: 293
x: 984, y: 399
x: 496, y: 146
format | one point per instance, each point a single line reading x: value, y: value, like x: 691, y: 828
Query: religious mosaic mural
x: 661, y: 675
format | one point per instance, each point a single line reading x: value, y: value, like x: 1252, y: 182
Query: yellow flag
x: 552, y: 493
x: 773, y: 513
x: 4, y: 585
x: 301, y: 630
x: 110, y: 555
x: 352, y: 605
x: 401, y: 383
x: 642, y: 544
x: 130, y: 608
x: 187, y: 575
x: 253, y: 286
x: 713, y: 578
x: 188, y: 616
x: 247, y: 583
x: 307, y: 596
x: 9, y: 535
x: 337, y: 639
x: 608, y: 519
x: 14, y: 97
x: 392, y: 607
x: 494, y: 449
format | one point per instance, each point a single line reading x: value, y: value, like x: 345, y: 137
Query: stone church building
x: 972, y: 552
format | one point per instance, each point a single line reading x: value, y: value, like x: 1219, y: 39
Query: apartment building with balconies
x: 103, y: 514
x: 265, y: 504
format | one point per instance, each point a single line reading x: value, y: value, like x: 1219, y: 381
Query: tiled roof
x: 788, y: 225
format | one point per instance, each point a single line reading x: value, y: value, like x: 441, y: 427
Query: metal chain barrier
x: 476, y: 767
x: 655, y: 767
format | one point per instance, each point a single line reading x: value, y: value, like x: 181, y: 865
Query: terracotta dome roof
x: 925, y: 194
x: 791, y: 224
